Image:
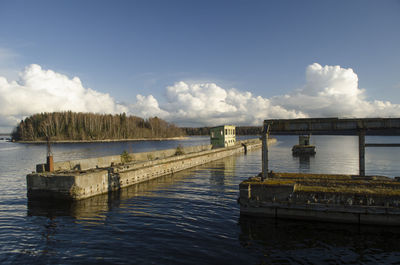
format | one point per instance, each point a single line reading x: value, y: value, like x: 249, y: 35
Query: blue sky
x: 126, y: 48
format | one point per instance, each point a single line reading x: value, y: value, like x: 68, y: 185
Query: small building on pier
x: 223, y: 136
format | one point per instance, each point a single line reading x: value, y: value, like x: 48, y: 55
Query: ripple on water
x: 191, y: 217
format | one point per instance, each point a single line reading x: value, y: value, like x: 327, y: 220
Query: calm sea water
x: 191, y: 217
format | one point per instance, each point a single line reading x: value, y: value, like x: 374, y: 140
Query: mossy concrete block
x: 336, y: 198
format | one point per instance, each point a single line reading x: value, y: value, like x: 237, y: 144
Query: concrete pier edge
x: 322, y: 197
x: 76, y: 180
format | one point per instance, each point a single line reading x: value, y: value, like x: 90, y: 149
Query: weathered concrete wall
x: 106, y: 161
x: 92, y: 206
x: 383, y: 216
x: 79, y: 185
x: 280, y: 199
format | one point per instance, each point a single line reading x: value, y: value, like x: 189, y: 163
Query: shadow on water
x: 92, y: 206
x: 299, y: 241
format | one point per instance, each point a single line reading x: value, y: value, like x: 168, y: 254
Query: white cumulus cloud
x: 332, y: 91
x: 209, y: 104
x: 329, y: 91
x: 146, y: 106
x: 39, y: 90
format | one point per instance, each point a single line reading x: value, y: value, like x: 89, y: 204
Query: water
x: 191, y: 217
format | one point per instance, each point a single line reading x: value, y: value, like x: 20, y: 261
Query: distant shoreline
x: 103, y: 141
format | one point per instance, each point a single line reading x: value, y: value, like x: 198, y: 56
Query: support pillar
x: 49, y: 164
x: 361, y: 152
x: 265, y: 151
x: 49, y: 159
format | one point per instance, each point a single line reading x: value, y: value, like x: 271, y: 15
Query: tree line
x: 240, y: 130
x: 90, y: 126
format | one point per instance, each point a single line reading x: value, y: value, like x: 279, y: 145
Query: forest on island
x: 257, y: 130
x: 90, y: 126
x: 240, y: 130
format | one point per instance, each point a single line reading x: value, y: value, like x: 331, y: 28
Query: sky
x: 200, y: 63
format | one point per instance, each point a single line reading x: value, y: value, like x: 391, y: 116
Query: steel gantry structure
x: 330, y: 126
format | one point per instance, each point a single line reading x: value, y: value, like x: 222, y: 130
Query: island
x: 71, y: 126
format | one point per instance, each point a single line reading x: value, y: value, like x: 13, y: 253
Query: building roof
x: 221, y: 126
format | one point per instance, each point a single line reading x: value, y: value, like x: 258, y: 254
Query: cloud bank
x: 210, y: 104
x: 330, y: 91
x: 39, y: 90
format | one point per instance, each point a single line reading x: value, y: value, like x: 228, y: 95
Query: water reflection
x: 288, y: 241
x: 99, y: 205
x: 186, y: 217
x: 220, y: 171
x: 304, y: 162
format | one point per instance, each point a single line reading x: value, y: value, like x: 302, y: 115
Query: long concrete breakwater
x: 80, y: 179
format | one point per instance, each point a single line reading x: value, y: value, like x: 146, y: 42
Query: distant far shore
x: 103, y: 141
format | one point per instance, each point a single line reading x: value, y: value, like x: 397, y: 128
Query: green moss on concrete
x: 377, y: 191
x: 331, y: 183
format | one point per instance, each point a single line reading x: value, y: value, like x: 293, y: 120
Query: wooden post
x: 361, y: 152
x: 265, y: 151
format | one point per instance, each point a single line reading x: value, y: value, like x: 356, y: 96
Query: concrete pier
x: 323, y: 197
x: 79, y: 179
